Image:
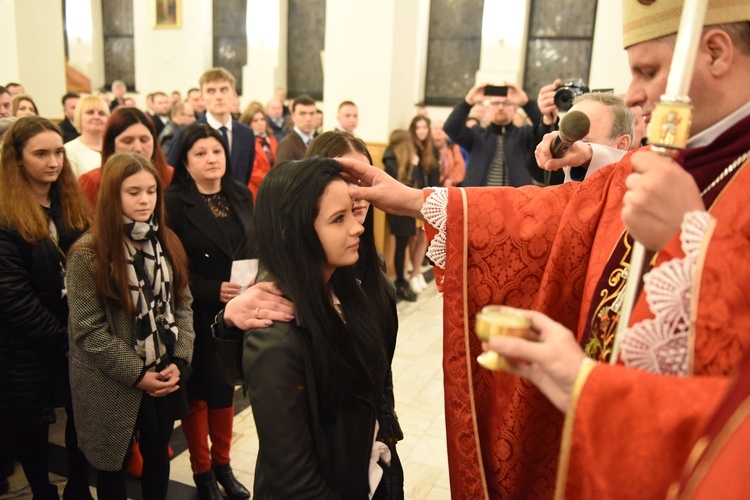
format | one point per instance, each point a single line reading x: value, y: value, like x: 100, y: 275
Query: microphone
x: 574, y: 126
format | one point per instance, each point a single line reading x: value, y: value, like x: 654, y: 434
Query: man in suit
x: 294, y: 145
x: 195, y: 99
x: 181, y: 115
x: 69, y: 102
x: 218, y: 89
x: 118, y: 92
x: 275, y: 115
x: 158, y: 109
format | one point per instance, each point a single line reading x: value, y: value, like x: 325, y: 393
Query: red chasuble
x: 718, y: 464
x: 553, y: 250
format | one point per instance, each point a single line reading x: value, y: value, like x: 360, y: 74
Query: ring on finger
x: 257, y: 312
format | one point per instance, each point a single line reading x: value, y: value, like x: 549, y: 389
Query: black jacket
x: 300, y: 456
x: 482, y: 142
x: 33, y: 325
x: 210, y: 255
x: 68, y: 130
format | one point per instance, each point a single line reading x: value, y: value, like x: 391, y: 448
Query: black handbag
x: 228, y: 347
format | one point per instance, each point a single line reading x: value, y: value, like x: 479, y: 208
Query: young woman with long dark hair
x: 317, y: 384
x: 212, y: 216
x: 131, y: 329
x: 42, y: 212
x: 400, y: 160
x: 426, y: 174
x: 129, y: 130
x: 370, y: 270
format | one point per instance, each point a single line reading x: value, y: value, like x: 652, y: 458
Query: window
x: 230, y: 37
x: 453, y: 51
x: 119, y: 49
x: 305, y: 42
x: 561, y: 34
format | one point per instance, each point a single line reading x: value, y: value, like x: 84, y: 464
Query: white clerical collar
x: 711, y: 133
x: 305, y: 138
x: 216, y: 124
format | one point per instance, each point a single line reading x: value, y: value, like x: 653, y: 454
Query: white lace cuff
x: 435, y: 212
x: 661, y: 345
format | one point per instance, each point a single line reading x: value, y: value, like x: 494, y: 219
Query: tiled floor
x: 418, y: 385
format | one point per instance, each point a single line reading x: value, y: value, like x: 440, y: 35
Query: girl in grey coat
x: 131, y: 333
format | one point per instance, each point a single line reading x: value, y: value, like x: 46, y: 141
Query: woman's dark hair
x: 335, y: 144
x: 192, y: 134
x: 119, y: 121
x: 349, y: 355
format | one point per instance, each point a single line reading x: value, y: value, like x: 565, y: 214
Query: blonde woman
x: 85, y: 151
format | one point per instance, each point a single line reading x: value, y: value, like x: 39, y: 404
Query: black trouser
x: 29, y: 445
x: 78, y: 466
x: 155, y: 479
x: 400, y: 256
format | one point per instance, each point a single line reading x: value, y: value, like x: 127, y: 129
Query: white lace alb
x: 661, y: 345
x: 435, y: 212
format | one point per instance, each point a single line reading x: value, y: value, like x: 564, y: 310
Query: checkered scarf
x: 150, y: 291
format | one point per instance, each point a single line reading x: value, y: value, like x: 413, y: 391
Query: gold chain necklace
x: 731, y: 168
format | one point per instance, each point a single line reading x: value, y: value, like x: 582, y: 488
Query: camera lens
x: 564, y: 98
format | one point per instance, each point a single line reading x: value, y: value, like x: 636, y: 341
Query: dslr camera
x: 567, y: 92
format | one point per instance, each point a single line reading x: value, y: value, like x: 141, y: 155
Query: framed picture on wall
x: 167, y: 14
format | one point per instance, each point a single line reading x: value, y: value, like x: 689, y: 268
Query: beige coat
x: 103, y: 364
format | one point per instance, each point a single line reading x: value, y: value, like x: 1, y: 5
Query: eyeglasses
x: 504, y: 104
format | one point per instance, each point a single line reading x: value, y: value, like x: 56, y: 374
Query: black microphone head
x: 574, y: 126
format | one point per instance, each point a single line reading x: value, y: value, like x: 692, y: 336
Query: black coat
x: 33, y: 326
x: 210, y: 257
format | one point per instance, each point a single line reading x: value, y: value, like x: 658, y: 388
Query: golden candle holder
x: 495, y: 321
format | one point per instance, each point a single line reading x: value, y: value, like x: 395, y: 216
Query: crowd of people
x: 131, y: 240
x: 145, y: 242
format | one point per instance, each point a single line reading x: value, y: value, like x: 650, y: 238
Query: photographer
x: 497, y: 152
x: 546, y: 103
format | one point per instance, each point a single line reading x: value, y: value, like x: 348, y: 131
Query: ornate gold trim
x: 567, y: 433
x: 467, y: 349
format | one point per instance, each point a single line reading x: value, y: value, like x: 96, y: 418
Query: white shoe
x: 425, y: 286
x: 416, y: 285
